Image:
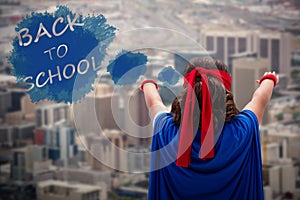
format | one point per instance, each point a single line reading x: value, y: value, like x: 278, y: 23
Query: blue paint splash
x: 31, y: 60
x: 168, y: 75
x: 127, y: 67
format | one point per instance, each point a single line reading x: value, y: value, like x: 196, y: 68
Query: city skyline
x: 47, y: 147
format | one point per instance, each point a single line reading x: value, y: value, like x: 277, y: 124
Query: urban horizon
x: 99, y: 147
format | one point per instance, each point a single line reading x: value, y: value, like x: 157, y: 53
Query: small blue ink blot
x: 168, y: 76
x: 54, y: 78
x: 127, y: 67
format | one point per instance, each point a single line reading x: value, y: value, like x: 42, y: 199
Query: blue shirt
x: 234, y: 173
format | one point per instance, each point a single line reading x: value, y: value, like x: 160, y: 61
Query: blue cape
x: 234, y: 173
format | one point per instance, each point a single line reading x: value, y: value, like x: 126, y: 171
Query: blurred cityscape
x: 58, y: 151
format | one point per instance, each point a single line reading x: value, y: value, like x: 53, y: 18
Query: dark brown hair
x: 223, y: 105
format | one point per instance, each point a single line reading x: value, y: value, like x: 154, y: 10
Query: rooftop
x: 51, y: 105
x: 78, y: 187
x: 7, y: 78
x: 281, y: 130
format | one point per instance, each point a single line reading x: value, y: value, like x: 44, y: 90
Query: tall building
x: 15, y: 105
x: 28, y: 108
x: 227, y: 42
x: 137, y: 123
x: 281, y: 178
x: 9, y: 16
x: 85, y: 118
x: 122, y: 109
x: 29, y: 162
x: 60, y: 190
x: 103, y: 108
x: 22, y: 111
x: 16, y: 96
x: 276, y: 48
x: 295, y: 71
x: 5, y: 102
x: 59, y: 140
x: 48, y: 115
x: 245, y: 72
x: 16, y: 135
x: 108, y: 150
x: 273, y: 46
x: 138, y: 160
x: 54, y: 131
x: 94, y: 113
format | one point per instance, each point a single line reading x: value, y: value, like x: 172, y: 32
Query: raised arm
x: 262, y: 95
x: 152, y: 98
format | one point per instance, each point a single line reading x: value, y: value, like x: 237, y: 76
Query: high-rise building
x: 103, y: 108
x: 123, y: 109
x: 55, y: 132
x: 29, y: 162
x: 48, y: 115
x: 61, y: 190
x: 276, y: 48
x: 28, y: 108
x: 85, y: 118
x: 16, y: 135
x: 137, y: 123
x: 281, y: 178
x: 245, y: 72
x: 16, y: 96
x: 138, y: 159
x: 107, y: 151
x: 59, y: 140
x: 23, y: 110
x: 268, y: 193
x: 273, y: 46
x: 5, y: 102
x: 15, y: 105
x: 227, y: 42
x: 295, y: 71
x: 95, y: 112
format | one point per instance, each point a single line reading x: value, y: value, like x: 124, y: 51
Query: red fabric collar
x: 207, y: 125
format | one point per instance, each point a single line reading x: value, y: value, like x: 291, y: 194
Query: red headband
x: 207, y: 125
